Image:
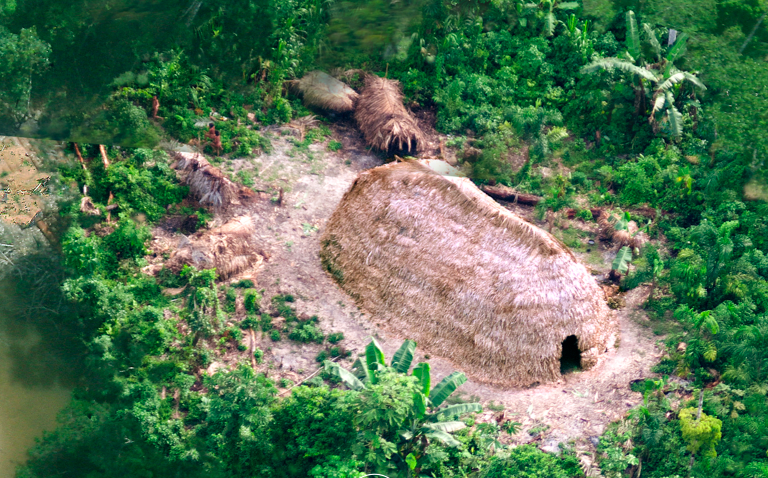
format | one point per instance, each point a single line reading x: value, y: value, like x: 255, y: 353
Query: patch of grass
x: 334, y: 146
x: 336, y: 337
x: 245, y: 178
x: 244, y: 284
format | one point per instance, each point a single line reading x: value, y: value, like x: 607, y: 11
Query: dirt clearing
x: 288, y: 226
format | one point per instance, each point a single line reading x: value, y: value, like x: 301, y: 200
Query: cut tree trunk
x: 104, y: 158
x: 508, y: 194
x: 80, y: 157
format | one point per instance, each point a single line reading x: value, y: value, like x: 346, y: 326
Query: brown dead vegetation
x: 231, y: 249
x: 324, y: 91
x: 208, y: 184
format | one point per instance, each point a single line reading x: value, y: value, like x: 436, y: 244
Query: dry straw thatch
x: 383, y: 119
x: 208, y: 184
x: 434, y: 259
x: 324, y: 91
x: 229, y: 248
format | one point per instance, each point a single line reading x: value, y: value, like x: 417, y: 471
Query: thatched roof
x: 324, y: 91
x: 229, y: 248
x: 207, y: 183
x: 433, y: 259
x: 383, y: 119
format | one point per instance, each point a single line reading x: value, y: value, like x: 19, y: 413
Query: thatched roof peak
x: 434, y: 259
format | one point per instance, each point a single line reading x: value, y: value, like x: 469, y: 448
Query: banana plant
x: 545, y: 11
x: 663, y: 78
x: 430, y: 420
x: 623, y: 258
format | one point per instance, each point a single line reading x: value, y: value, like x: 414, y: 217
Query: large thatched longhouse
x: 432, y: 258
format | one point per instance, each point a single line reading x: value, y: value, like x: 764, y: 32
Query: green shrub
x: 306, y: 332
x: 336, y: 337
x: 526, y: 461
x: 258, y: 354
x: 334, y: 146
x: 322, y: 356
x: 585, y: 215
x: 275, y: 335
x: 230, y: 299
x: 265, y: 323
x: 251, y: 299
x: 244, y: 284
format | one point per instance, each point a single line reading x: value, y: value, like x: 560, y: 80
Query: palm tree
x: 661, y: 76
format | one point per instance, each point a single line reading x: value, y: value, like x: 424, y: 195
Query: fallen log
x: 508, y: 194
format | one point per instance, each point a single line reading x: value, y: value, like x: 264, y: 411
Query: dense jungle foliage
x: 661, y: 104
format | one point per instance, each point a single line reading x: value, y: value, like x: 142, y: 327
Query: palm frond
x: 653, y: 40
x: 625, y: 66
x: 550, y: 22
x: 674, y: 79
x: 675, y: 121
x: 633, y: 35
x: 693, y: 79
x: 677, y: 49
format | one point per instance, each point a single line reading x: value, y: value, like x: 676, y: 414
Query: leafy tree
x: 702, y: 433
x: 22, y: 57
x: 399, y: 414
x: 238, y: 417
x: 662, y: 77
x: 311, y: 427
x: 204, y: 314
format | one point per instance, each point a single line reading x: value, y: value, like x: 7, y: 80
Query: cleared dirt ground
x: 578, y: 408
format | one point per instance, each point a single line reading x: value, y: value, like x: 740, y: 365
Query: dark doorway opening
x: 570, y: 360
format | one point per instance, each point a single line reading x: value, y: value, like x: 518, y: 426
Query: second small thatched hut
x: 383, y: 119
x: 433, y: 259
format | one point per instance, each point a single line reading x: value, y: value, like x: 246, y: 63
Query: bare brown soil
x: 578, y: 408
x: 22, y: 185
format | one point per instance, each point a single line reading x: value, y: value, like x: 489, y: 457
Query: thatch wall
x: 229, y: 248
x: 324, y: 91
x: 383, y: 119
x: 208, y: 184
x: 433, y: 259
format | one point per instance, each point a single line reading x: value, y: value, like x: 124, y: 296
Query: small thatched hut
x: 208, y: 184
x: 383, y: 119
x: 324, y: 91
x: 433, y: 259
x: 229, y: 248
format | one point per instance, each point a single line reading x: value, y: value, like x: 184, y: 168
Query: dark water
x: 38, y: 366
